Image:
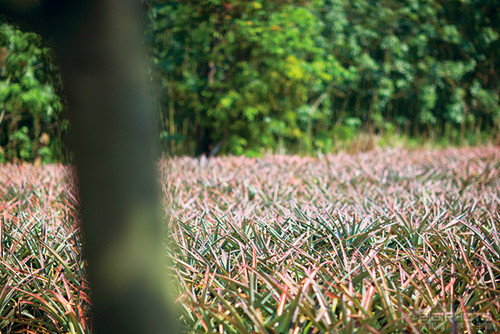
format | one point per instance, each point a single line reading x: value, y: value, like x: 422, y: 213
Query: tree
x: 243, y: 73
x: 32, y: 118
x: 98, y: 46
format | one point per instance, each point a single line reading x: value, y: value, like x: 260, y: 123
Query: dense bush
x: 301, y: 75
x: 309, y: 74
x: 32, y: 124
x: 425, y: 67
x: 246, y: 73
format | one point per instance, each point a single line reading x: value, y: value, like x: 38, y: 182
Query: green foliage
x: 31, y: 121
x: 256, y: 76
x: 270, y: 74
x: 415, y: 62
x: 246, y: 73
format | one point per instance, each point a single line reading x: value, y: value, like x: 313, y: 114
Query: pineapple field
x: 393, y: 241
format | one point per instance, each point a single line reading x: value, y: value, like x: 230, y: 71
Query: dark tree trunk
x: 98, y: 45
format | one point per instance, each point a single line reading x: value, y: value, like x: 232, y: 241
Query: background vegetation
x: 301, y: 76
x: 32, y: 126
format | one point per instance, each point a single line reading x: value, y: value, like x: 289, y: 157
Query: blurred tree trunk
x: 98, y: 45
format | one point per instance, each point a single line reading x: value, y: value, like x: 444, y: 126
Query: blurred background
x: 283, y: 76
